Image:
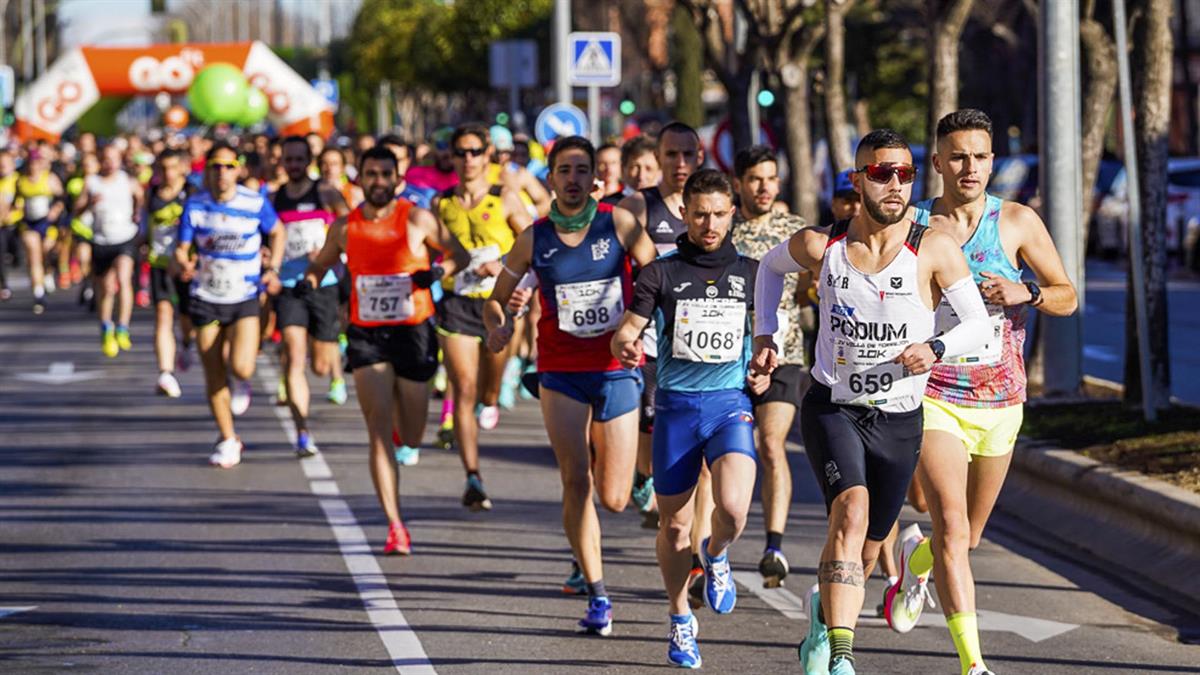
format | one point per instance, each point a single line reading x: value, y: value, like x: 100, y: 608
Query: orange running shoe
x: 398, y: 541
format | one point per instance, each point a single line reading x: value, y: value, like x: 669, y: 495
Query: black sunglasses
x: 474, y: 152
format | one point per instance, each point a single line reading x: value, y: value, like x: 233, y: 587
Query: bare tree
x: 946, y: 21
x: 792, y: 56
x: 835, y: 87
x: 1152, y: 54
x: 732, y: 66
x: 1099, y: 54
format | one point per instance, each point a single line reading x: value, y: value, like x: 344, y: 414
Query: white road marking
x: 8, y: 611
x: 60, y: 372
x: 791, y: 605
x: 401, y: 641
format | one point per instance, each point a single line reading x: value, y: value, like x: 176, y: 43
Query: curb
x: 1148, y: 529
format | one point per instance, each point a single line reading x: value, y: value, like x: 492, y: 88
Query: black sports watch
x: 938, y: 348
x: 1035, y: 293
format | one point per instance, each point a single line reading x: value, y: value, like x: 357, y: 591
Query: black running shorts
x: 412, y: 350
x: 784, y: 387
x: 315, y: 310
x: 460, y: 315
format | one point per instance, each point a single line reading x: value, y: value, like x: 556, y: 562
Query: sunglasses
x: 473, y: 152
x: 232, y: 166
x: 882, y: 173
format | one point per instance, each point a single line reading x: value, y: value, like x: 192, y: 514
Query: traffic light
x: 502, y: 119
x: 627, y: 107
x: 766, y: 98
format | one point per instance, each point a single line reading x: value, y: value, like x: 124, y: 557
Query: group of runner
x: 679, y: 321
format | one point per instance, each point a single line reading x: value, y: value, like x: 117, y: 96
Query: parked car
x: 1111, y: 227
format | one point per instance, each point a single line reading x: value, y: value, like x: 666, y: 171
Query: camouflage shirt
x: 754, y: 242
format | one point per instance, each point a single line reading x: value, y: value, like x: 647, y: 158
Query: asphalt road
x: 121, y: 551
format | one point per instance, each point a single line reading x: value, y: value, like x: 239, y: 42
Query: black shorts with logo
x: 461, y: 315
x: 166, y: 288
x: 854, y: 445
x: 104, y: 256
x: 205, y: 313
x: 411, y: 350
x: 315, y: 310
x: 784, y: 388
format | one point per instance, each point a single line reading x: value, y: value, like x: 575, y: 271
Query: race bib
x: 711, y: 330
x: 989, y: 354
x: 37, y: 208
x: 304, y: 236
x: 467, y: 282
x: 162, y: 243
x: 222, y: 278
x: 384, y: 297
x: 589, y: 308
x: 867, y: 376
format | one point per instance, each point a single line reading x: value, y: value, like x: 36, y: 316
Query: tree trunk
x: 799, y: 144
x: 835, y: 84
x: 1099, y: 55
x: 947, y: 18
x: 1152, y: 96
x: 738, y: 89
x: 688, y: 60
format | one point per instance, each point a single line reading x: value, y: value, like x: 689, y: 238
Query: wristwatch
x: 1035, y: 293
x: 938, y: 348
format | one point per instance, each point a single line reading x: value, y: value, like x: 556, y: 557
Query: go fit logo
x: 66, y: 93
x: 173, y: 73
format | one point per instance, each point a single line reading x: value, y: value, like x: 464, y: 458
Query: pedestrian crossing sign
x: 595, y: 59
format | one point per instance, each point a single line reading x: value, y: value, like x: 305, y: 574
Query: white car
x: 1110, y: 221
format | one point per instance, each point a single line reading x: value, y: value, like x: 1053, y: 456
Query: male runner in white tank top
x: 881, y: 276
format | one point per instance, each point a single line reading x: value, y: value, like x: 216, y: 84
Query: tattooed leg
x: 841, y: 574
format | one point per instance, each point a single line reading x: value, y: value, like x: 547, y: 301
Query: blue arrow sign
x: 558, y: 120
x: 329, y: 89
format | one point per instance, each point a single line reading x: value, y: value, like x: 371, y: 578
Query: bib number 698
x: 590, y: 317
x: 870, y: 384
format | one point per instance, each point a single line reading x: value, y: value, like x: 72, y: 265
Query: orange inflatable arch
x: 48, y: 106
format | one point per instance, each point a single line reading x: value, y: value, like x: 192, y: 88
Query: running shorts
x: 849, y: 446
x: 985, y: 432
x: 205, y: 313
x: 694, y: 427
x: 460, y: 315
x: 411, y: 350
x: 166, y: 288
x: 649, y: 389
x: 42, y: 226
x: 104, y: 256
x: 610, y: 393
x: 784, y: 388
x: 314, y: 310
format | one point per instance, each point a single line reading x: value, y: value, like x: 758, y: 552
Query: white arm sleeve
x: 973, y: 326
x: 768, y: 287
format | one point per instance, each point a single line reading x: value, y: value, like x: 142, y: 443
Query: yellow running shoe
x: 108, y: 344
x: 123, y: 340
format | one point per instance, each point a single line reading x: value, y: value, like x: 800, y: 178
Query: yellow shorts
x: 986, y: 432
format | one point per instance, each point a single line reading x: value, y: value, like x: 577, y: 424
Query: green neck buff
x: 576, y: 222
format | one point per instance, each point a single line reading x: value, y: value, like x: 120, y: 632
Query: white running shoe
x: 489, y: 417
x: 227, y: 453
x: 239, y: 399
x: 168, y: 386
x: 48, y: 283
x: 977, y: 669
x: 904, y: 602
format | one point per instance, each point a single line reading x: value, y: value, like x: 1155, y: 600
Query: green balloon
x: 255, y: 108
x: 218, y: 93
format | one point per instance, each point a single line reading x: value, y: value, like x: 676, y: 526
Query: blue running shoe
x: 720, y: 593
x: 407, y: 456
x: 510, y: 382
x: 682, y: 650
x: 842, y: 666
x: 598, y: 620
x: 305, y: 445
x: 575, y: 584
x: 643, y: 496
x: 814, y: 651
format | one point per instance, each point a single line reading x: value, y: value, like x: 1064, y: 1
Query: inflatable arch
x: 81, y: 76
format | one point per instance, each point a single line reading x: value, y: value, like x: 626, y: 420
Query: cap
x: 441, y: 138
x: 842, y: 183
x: 502, y: 138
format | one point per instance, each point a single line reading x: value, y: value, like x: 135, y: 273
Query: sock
x: 841, y: 644
x: 964, y: 630
x: 122, y: 328
x: 474, y: 474
x: 696, y: 562
x: 921, y: 561
x: 336, y: 381
x: 302, y: 425
x: 639, y: 479
x: 447, y: 408
x: 775, y: 540
x: 681, y: 618
x: 891, y: 581
x: 596, y: 589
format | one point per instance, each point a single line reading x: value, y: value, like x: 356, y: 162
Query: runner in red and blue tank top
x: 582, y: 255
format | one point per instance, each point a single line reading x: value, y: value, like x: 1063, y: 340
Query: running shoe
x: 445, y: 434
x: 439, y: 381
x: 682, y: 650
x: 407, y: 455
x: 5, y: 294
x: 720, y: 592
x: 696, y: 588
x: 64, y: 280
x: 239, y: 399
x: 904, y: 602
x: 281, y: 397
x: 474, y: 498
x: 123, y: 340
x: 305, y: 445
x: 575, y: 584
x: 76, y: 271
x: 48, y: 283
x: 643, y: 497
x: 168, y: 386
x: 814, y: 650
x: 343, y: 344
x: 337, y: 392
x: 773, y: 567
x: 598, y: 619
x: 841, y: 666
x: 977, y: 669
x: 227, y: 453
x: 398, y: 541
x: 183, y: 358
x: 108, y: 343
x: 489, y: 417
x: 142, y: 298
x: 510, y: 382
